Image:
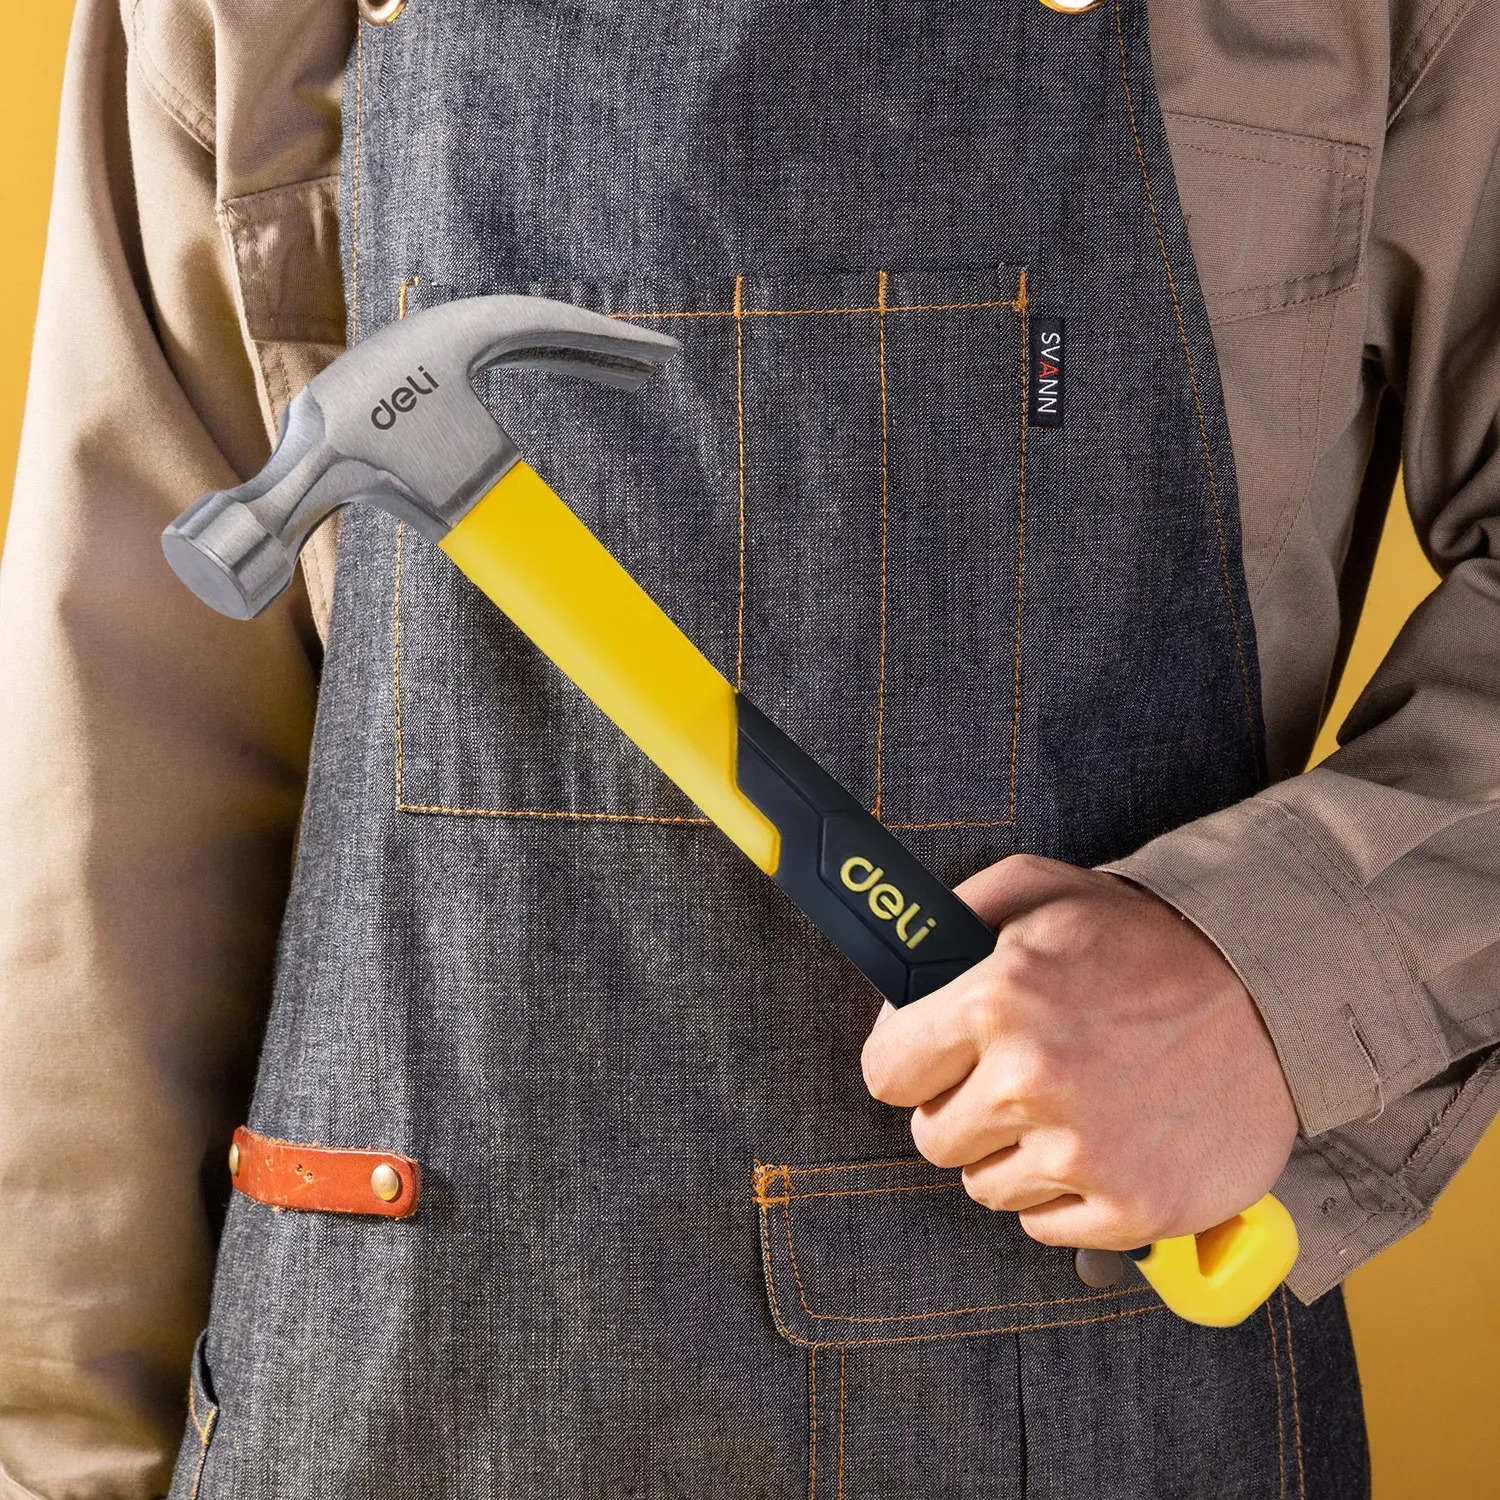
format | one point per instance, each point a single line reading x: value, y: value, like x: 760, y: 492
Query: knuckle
x: 1075, y: 1159
x: 1032, y: 1076
x: 933, y: 1145
x: 1013, y: 967
x: 1127, y: 1221
x: 982, y: 1188
x: 977, y: 1012
x: 1029, y: 867
x: 1046, y: 1231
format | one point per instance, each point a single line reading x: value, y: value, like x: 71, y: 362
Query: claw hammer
x: 395, y: 423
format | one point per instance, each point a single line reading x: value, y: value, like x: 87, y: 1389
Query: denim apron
x: 941, y: 478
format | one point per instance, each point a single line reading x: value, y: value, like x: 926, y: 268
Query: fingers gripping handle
x: 909, y: 934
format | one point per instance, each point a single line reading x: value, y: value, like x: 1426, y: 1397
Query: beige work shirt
x: 1337, y: 167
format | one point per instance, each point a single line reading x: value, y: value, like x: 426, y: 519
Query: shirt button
x: 1098, y: 1268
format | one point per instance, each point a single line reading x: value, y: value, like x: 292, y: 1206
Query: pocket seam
x: 1252, y: 722
x: 204, y: 1426
x: 1286, y: 1317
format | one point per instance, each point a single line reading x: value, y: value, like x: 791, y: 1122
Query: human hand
x: 1104, y: 1073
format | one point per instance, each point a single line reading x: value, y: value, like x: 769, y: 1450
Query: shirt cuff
x: 1350, y: 1025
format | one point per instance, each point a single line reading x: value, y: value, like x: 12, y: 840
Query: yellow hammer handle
x: 1221, y: 1276
x: 525, y: 549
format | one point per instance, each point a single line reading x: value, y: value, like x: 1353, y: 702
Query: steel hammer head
x: 394, y: 422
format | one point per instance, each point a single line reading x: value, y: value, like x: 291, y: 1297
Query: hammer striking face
x: 395, y: 423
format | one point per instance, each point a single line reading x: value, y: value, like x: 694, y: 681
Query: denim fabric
x: 668, y: 1245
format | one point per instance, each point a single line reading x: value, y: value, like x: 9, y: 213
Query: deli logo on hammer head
x: 1047, y: 363
x: 403, y: 398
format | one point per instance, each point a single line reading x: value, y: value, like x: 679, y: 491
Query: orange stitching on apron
x: 859, y: 1166
x: 1187, y: 354
x: 843, y: 1353
x: 812, y: 1425
x: 544, y: 812
x: 885, y: 505
x: 765, y: 1179
x: 765, y: 1251
x: 1291, y: 1359
x: 205, y: 1430
x: 1014, y: 303
x: 920, y: 1338
x: 1280, y: 1420
x: 1015, y: 721
x: 941, y: 1312
x: 738, y: 312
x: 904, y: 1187
x: 958, y: 823
x: 411, y: 281
x: 739, y: 400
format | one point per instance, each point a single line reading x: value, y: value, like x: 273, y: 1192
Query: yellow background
x: 1426, y: 1314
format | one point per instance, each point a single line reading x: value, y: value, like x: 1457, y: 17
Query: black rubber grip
x: 901, y: 926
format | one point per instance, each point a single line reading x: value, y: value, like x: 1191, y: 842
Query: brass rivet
x: 1067, y: 7
x: 381, y: 12
x: 234, y: 1158
x: 385, y: 1181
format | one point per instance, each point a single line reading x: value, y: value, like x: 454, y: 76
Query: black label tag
x: 1048, y: 359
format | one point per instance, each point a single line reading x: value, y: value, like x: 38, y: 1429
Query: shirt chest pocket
x: 1279, y: 228
x: 824, y: 489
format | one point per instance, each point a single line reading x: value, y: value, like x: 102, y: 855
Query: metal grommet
x: 234, y: 1158
x: 381, y: 12
x: 385, y: 1183
x: 1066, y: 7
x: 1098, y: 1268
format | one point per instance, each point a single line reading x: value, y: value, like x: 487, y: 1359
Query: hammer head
x: 394, y: 422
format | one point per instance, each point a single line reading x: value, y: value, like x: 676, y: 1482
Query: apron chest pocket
x: 825, y: 490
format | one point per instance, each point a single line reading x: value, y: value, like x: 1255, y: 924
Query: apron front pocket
x: 949, y: 1354
x: 824, y: 489
x: 203, y: 1418
x: 903, y: 1290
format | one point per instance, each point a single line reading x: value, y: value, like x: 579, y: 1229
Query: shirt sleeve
x: 1360, y: 902
x: 154, y: 758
